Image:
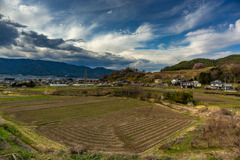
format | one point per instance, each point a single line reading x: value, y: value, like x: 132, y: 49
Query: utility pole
x: 162, y: 97
x: 85, y: 76
x: 225, y: 83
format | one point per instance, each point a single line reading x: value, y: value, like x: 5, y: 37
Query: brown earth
x: 60, y: 102
x: 133, y: 130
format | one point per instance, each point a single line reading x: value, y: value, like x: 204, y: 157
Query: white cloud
x: 34, y: 16
x: 109, y: 12
x: 39, y: 18
x: 193, y: 19
x: 161, y: 45
x: 207, y: 43
x: 69, y: 30
x: 237, y: 25
x: 200, y: 32
x: 200, y: 43
x: 118, y: 42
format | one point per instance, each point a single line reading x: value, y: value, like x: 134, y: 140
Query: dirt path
x: 213, y: 98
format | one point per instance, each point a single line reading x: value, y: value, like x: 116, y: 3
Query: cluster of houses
x: 8, y: 80
x: 122, y: 83
x: 64, y: 82
x: 215, y: 85
x: 218, y: 85
x: 185, y: 84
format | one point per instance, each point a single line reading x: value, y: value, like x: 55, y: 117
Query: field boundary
x: 25, y: 131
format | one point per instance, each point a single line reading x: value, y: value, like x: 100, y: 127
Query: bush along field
x: 117, y: 123
x: 135, y: 92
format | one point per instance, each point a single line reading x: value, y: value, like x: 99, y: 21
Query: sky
x: 115, y: 34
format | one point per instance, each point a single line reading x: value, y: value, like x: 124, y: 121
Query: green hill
x: 207, y: 62
x: 228, y: 59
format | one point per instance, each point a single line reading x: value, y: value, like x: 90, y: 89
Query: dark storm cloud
x: 74, y: 40
x: 11, y: 23
x: 14, y: 24
x: 106, y: 59
x: 41, y: 40
x: 69, y: 47
x: 76, y: 55
x: 8, y: 34
x: 8, y: 31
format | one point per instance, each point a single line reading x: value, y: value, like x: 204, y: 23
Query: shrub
x: 180, y: 97
x: 225, y: 111
x: 84, y: 91
x: 198, y: 66
x: 79, y: 149
x: 220, y: 131
x: 26, y: 155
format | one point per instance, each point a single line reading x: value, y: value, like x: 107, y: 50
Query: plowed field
x: 99, y: 123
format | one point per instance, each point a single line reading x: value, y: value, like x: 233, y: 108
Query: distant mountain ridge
x: 207, y: 62
x: 46, y: 68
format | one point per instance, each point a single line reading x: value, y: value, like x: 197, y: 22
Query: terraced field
x: 99, y: 123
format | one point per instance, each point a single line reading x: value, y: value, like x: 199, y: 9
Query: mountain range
x: 45, y: 68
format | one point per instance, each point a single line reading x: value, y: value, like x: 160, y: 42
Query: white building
x: 58, y: 85
x: 197, y: 84
x: 175, y: 81
x: 216, y: 85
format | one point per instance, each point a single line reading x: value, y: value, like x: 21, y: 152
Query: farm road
x: 212, y: 98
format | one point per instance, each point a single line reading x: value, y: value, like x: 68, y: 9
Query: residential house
x: 188, y: 84
x: 84, y: 85
x: 165, y: 84
x: 216, y: 85
x: 158, y: 81
x: 175, y: 81
x: 58, y: 85
x: 197, y: 84
x: 227, y: 87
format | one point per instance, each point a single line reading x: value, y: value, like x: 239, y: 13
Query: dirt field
x: 64, y: 107
x: 99, y: 123
x: 132, y: 130
x: 52, y: 103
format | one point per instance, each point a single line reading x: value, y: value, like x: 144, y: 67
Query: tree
x: 198, y: 66
x: 205, y: 78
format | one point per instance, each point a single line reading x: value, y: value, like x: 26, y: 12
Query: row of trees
x: 30, y: 84
x: 128, y: 74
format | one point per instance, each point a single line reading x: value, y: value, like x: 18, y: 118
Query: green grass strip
x: 25, y: 98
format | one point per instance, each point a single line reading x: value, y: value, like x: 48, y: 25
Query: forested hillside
x: 207, y: 62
